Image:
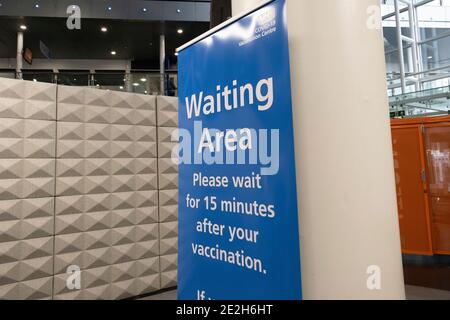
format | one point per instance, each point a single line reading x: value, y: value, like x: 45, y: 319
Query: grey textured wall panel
x: 167, y: 116
x: 27, y: 183
x: 167, y: 111
x: 107, y: 198
x: 169, y: 266
x: 80, y: 184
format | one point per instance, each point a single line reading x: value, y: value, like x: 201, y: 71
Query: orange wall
x: 422, y: 146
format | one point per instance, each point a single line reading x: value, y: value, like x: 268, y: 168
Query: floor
x: 421, y: 293
x: 428, y: 275
x: 169, y: 295
x: 412, y: 293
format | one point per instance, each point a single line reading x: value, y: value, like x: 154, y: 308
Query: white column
x: 162, y: 60
x: 19, y: 63
x: 346, y: 190
x: 128, y: 80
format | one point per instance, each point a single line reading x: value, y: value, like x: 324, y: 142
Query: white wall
x: 346, y: 188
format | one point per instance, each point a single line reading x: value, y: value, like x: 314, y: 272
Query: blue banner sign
x: 238, y: 220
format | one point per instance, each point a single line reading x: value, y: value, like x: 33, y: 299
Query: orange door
x: 411, y: 190
x: 437, y: 143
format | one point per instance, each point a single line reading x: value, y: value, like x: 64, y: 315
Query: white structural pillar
x: 162, y: 61
x: 19, y: 63
x: 128, y: 79
x: 346, y: 190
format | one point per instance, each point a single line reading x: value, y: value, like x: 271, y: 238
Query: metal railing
x: 430, y: 102
x: 137, y: 81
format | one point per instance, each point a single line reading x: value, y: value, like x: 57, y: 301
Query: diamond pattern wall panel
x: 27, y: 186
x: 167, y: 115
x: 106, y: 194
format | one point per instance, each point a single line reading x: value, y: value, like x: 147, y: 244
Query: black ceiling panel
x: 132, y: 40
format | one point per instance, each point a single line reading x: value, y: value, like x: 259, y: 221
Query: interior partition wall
x: 106, y: 193
x: 79, y: 191
x: 27, y: 189
x: 167, y: 119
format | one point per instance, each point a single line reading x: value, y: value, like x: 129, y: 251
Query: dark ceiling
x: 132, y: 40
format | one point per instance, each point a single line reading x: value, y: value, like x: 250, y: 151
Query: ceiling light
x: 37, y: 5
x: 121, y: 87
x: 180, y: 31
x: 143, y: 79
x: 113, y: 53
x: 104, y: 29
x: 23, y: 27
x: 34, y: 80
x: 178, y: 10
x: 145, y: 91
x: 144, y: 9
x: 430, y: 57
x: 176, y: 53
x: 136, y: 84
x: 109, y: 8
